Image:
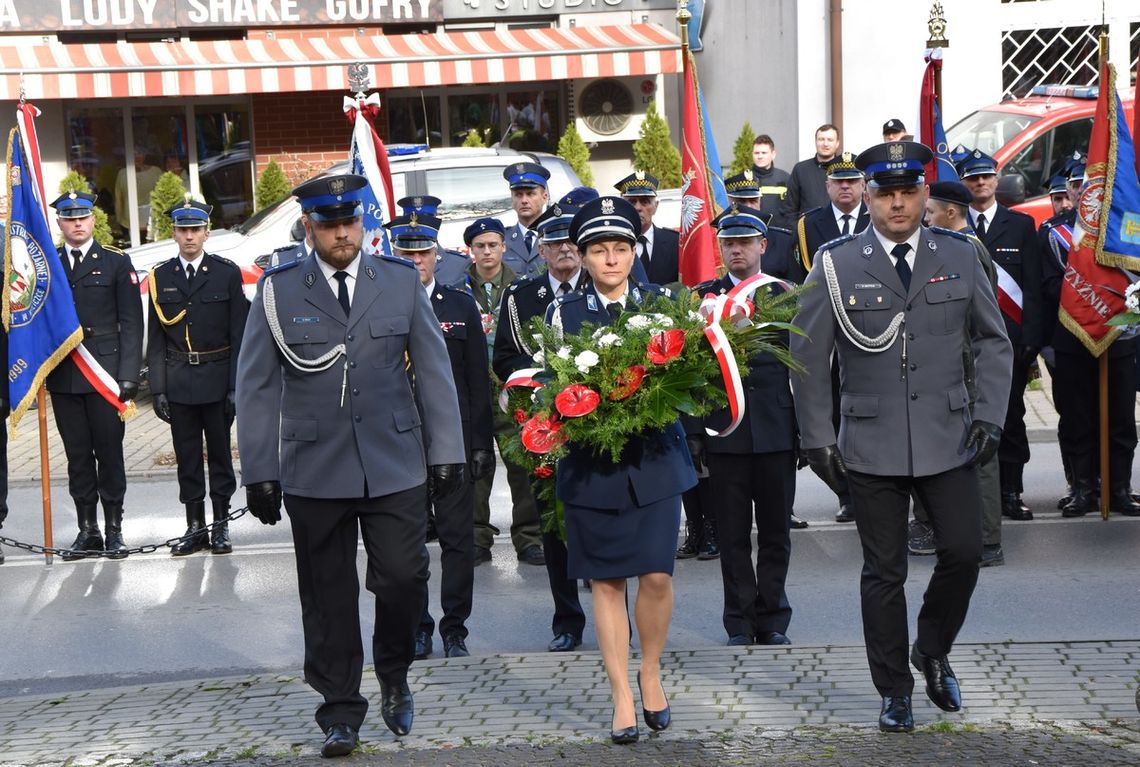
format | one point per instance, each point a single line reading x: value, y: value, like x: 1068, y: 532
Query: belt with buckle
x: 197, y: 358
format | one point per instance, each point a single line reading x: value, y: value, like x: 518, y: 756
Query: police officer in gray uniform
x: 894, y: 303
x: 327, y: 416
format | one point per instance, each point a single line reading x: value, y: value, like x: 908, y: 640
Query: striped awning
x: 54, y: 70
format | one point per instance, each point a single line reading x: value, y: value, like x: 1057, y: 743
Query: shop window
x: 473, y: 111
x: 407, y: 117
x: 225, y: 162
x: 95, y: 151
x: 532, y: 121
x: 159, y: 146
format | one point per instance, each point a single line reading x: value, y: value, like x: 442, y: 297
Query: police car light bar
x: 1066, y: 91
x: 396, y: 150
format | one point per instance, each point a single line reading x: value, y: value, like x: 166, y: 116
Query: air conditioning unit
x: 611, y: 108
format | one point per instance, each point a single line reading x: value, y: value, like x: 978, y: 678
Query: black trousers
x: 455, y: 525
x: 695, y: 506
x: 1077, y: 385
x: 569, y: 618
x: 881, y: 506
x: 749, y: 487
x: 187, y: 425
x: 325, y: 535
x: 92, y: 435
x: 1013, y: 453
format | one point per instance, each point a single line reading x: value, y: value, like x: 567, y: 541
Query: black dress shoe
x: 423, y: 645
x: 625, y: 736
x: 772, y: 638
x: 340, y: 740
x: 845, y: 514
x: 454, y: 647
x: 895, y: 715
x: 654, y: 720
x: 992, y: 555
x: 482, y: 554
x: 1012, y: 507
x: 796, y: 523
x: 396, y: 707
x: 739, y: 640
x: 689, y: 547
x: 532, y: 555
x: 941, y: 684
x: 564, y: 643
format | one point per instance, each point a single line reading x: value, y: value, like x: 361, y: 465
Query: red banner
x: 698, y: 254
x: 926, y: 107
x: 1092, y: 293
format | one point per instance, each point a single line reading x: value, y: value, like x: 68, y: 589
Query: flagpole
x: 1102, y: 361
x: 45, y: 471
x: 936, y: 28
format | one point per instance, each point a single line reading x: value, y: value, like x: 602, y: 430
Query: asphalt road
x: 94, y: 624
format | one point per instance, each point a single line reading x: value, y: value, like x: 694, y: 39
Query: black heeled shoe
x: 625, y: 736
x: 654, y: 720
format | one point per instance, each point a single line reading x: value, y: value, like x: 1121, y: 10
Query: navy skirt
x: 622, y: 543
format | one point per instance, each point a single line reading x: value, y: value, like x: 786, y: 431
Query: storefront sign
x: 496, y: 9
x: 107, y: 15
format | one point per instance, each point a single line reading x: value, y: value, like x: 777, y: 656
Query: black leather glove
x: 162, y: 407
x: 696, y: 445
x: 444, y: 479
x: 984, y: 438
x: 128, y: 390
x: 3, y: 514
x: 482, y: 463
x: 1026, y: 354
x: 264, y: 501
x: 828, y: 466
x: 230, y: 406
x: 801, y: 454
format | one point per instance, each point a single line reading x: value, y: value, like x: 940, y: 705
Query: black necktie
x: 77, y: 255
x: 190, y: 273
x: 528, y: 238
x: 615, y: 309
x: 980, y: 225
x: 564, y: 288
x: 342, y: 290
x: 901, y: 266
x: 644, y: 248
x: 846, y: 224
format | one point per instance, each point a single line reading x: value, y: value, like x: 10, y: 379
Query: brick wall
x: 304, y: 133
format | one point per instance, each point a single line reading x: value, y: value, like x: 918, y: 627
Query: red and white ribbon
x: 1008, y: 294
x: 737, y: 306
x: 106, y: 386
x: 524, y: 377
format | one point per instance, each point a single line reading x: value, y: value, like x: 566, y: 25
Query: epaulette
x: 704, y: 287
x: 113, y: 249
x: 808, y: 212
x: 957, y: 235
x: 783, y: 229
x: 225, y: 261
x: 566, y: 298
x: 652, y: 287
x: 281, y: 266
x: 837, y: 241
x: 290, y: 246
x: 521, y: 281
x: 398, y: 260
x: 458, y: 289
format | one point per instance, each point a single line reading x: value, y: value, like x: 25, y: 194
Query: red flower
x: 576, y: 400
x: 540, y: 435
x: 628, y: 381
x: 665, y: 346
x: 543, y: 471
x: 520, y: 415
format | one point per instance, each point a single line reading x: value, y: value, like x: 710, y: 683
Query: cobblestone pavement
x: 1056, y: 703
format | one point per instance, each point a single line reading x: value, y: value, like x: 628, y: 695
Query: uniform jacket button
x: 356, y: 391
x: 910, y: 336
x: 352, y: 364
x: 913, y: 366
x: 357, y: 418
x: 914, y: 395
x: 350, y: 337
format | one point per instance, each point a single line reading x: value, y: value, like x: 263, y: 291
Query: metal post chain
x: 149, y: 548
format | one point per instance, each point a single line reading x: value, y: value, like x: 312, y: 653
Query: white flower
x: 585, y: 360
x: 662, y: 321
x: 696, y: 316
x: 608, y: 340
x: 539, y: 358
x: 1132, y: 297
x: 638, y: 321
x: 563, y: 353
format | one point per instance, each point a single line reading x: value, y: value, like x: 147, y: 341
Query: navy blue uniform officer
x: 326, y: 415
x: 622, y: 518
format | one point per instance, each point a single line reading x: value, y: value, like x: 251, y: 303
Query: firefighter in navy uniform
x: 754, y: 468
x: 414, y: 237
x: 514, y: 350
x: 1075, y: 386
x: 196, y: 319
x: 105, y: 289
x: 781, y: 258
x: 1011, y: 239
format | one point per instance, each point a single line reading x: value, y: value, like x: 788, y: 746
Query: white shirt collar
x: 555, y: 285
x: 888, y: 245
x: 622, y: 299
x: 197, y: 262
x: 835, y: 211
x: 430, y: 287
x: 351, y: 270
x: 85, y: 248
x: 988, y: 213
x: 648, y: 235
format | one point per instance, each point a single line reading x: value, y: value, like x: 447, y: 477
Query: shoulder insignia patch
x: 112, y: 249
x: 949, y: 233
x: 837, y: 241
x: 289, y: 264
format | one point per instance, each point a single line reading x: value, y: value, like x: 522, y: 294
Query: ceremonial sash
x: 1062, y: 234
x: 1008, y: 294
